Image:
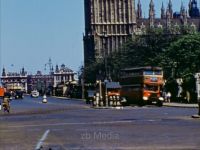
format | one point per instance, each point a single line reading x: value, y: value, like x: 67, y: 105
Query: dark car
x: 19, y: 95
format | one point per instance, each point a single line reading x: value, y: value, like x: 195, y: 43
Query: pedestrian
x: 168, y: 96
x: 6, y: 102
x: 164, y: 95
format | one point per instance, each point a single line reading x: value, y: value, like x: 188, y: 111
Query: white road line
x: 40, y: 142
x: 71, y: 123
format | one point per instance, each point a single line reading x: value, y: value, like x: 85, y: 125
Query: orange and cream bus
x: 142, y: 85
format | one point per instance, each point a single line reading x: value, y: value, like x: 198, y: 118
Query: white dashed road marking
x: 40, y: 142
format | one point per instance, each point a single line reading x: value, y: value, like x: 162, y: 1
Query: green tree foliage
x: 183, y: 55
x: 182, y: 60
x: 142, y: 50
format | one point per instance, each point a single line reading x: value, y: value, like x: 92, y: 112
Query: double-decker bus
x: 142, y: 85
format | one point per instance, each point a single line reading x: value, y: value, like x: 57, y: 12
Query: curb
x: 180, y: 105
x: 66, y: 98
x: 119, y: 107
x: 196, y: 116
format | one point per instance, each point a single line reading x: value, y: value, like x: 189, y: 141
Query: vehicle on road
x: 35, y: 94
x: 19, y: 94
x: 142, y: 85
x: 2, y: 91
x: 90, y: 96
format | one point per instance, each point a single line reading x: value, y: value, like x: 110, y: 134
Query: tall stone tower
x: 108, y: 24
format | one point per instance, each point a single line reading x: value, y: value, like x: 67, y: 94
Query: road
x: 72, y: 125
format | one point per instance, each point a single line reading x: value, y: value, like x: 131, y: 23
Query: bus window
x: 158, y: 72
x: 148, y: 72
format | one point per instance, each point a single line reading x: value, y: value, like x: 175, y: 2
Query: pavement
x: 173, y: 104
x: 183, y: 105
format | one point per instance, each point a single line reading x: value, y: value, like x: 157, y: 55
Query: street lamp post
x: 99, y: 93
x: 105, y: 63
x: 105, y: 52
x: 197, y: 76
x: 174, y: 65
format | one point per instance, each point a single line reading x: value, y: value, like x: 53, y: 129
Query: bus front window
x: 150, y: 88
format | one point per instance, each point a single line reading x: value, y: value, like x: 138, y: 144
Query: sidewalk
x: 173, y: 104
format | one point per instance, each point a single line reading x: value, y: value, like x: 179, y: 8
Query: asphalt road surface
x: 64, y: 124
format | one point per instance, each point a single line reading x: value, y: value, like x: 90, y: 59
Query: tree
x: 142, y: 50
x: 183, y: 58
x: 184, y: 55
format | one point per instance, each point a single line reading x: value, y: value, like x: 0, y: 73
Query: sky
x: 32, y: 31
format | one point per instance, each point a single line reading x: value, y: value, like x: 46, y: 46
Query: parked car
x: 35, y: 94
x: 19, y: 94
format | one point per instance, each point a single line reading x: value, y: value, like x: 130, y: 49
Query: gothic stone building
x: 109, y: 23
x: 170, y: 21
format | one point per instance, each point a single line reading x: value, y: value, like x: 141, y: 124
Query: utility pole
x: 50, y: 65
x: 106, y: 65
x: 174, y: 65
x: 105, y: 52
x: 197, y: 76
x: 83, y: 83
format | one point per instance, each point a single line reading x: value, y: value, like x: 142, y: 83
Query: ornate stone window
x: 160, y: 25
x: 193, y: 27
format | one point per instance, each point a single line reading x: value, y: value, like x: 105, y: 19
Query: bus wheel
x: 142, y: 103
x: 125, y: 104
x: 159, y: 103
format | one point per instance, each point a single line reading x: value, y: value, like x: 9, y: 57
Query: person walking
x: 168, y: 97
x: 6, y: 102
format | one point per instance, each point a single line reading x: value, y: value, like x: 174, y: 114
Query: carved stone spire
x: 168, y: 18
x: 163, y: 11
x: 185, y: 17
x: 170, y: 8
x: 139, y: 10
x: 23, y: 73
x: 151, y: 14
x: 4, y: 72
x: 193, y: 9
x: 182, y: 10
x: 190, y: 5
x: 57, y: 69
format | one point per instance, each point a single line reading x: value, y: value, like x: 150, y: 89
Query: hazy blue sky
x: 32, y: 31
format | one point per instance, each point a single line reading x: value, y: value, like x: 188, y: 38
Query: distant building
x: 43, y: 83
x: 63, y: 75
x: 14, y: 81
x: 40, y: 82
